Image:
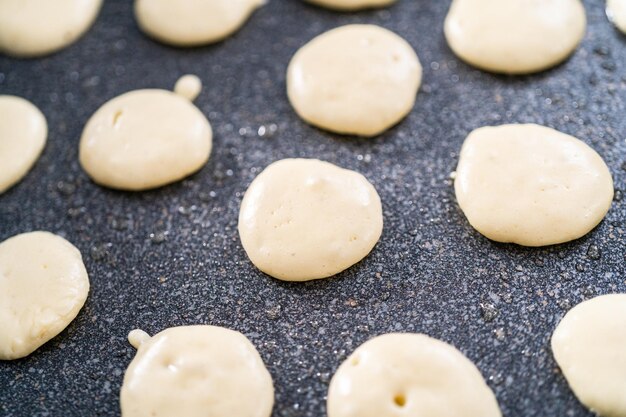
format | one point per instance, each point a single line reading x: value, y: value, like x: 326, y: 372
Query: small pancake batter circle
x: 193, y: 22
x: 39, y: 27
x: 356, y: 79
x: 531, y: 185
x: 409, y: 375
x: 145, y: 139
x: 515, y: 36
x: 589, y: 345
x: 43, y: 286
x: 23, y: 133
x: 196, y: 371
x: 304, y: 219
x: 616, y: 11
x: 351, y: 5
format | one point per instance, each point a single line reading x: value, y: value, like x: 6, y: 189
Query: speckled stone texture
x: 172, y: 256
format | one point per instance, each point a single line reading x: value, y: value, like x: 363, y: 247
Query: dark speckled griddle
x: 172, y: 256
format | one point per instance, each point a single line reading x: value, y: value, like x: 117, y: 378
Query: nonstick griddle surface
x: 172, y: 256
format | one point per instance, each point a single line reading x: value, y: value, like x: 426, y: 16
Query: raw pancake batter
x: 145, y: 139
x: 616, y: 11
x: 589, y: 345
x: 409, y: 375
x: 355, y: 79
x: 43, y: 286
x: 350, y: 5
x: 188, y: 86
x: 304, y: 219
x: 193, y: 22
x: 515, y: 36
x: 531, y: 185
x: 196, y: 371
x: 39, y: 27
x: 23, y: 133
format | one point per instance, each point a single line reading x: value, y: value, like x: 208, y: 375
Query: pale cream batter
x: 196, y: 371
x: 304, y: 219
x: 39, y: 27
x: 43, y: 286
x: 531, y: 185
x: 409, y: 375
x: 23, y: 133
x: 193, y: 22
x: 188, y: 86
x: 145, y: 139
x: 589, y: 345
x: 355, y: 79
x: 616, y: 11
x: 515, y: 36
x: 351, y: 5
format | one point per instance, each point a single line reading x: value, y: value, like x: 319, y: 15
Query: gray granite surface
x: 172, y: 256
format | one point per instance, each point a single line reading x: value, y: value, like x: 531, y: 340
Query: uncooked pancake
x: 589, y: 345
x: 23, y: 133
x: 304, y: 219
x: 196, y: 371
x: 193, y: 22
x: 145, y: 139
x: 43, y: 286
x: 409, y: 375
x: 188, y: 86
x: 515, y: 36
x: 355, y: 79
x: 531, y: 185
x: 39, y: 27
x: 350, y: 5
x: 616, y: 11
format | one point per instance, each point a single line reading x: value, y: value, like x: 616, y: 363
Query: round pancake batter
x: 193, y: 22
x: 145, y: 139
x: 531, y: 185
x: 23, y: 133
x: 515, y: 36
x: 43, y: 286
x: 304, y: 219
x: 589, y: 345
x: 409, y: 375
x: 39, y: 27
x: 196, y: 371
x: 356, y: 79
x: 188, y: 86
x: 351, y: 5
x: 616, y: 11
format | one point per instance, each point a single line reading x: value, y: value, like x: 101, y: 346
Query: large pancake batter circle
x: 145, y: 139
x: 43, y: 286
x: 23, y: 133
x: 193, y: 22
x: 589, y: 345
x: 351, y: 5
x: 197, y: 371
x: 531, y: 185
x: 409, y: 375
x: 304, y: 219
x: 515, y: 36
x: 355, y: 79
x: 40, y: 27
